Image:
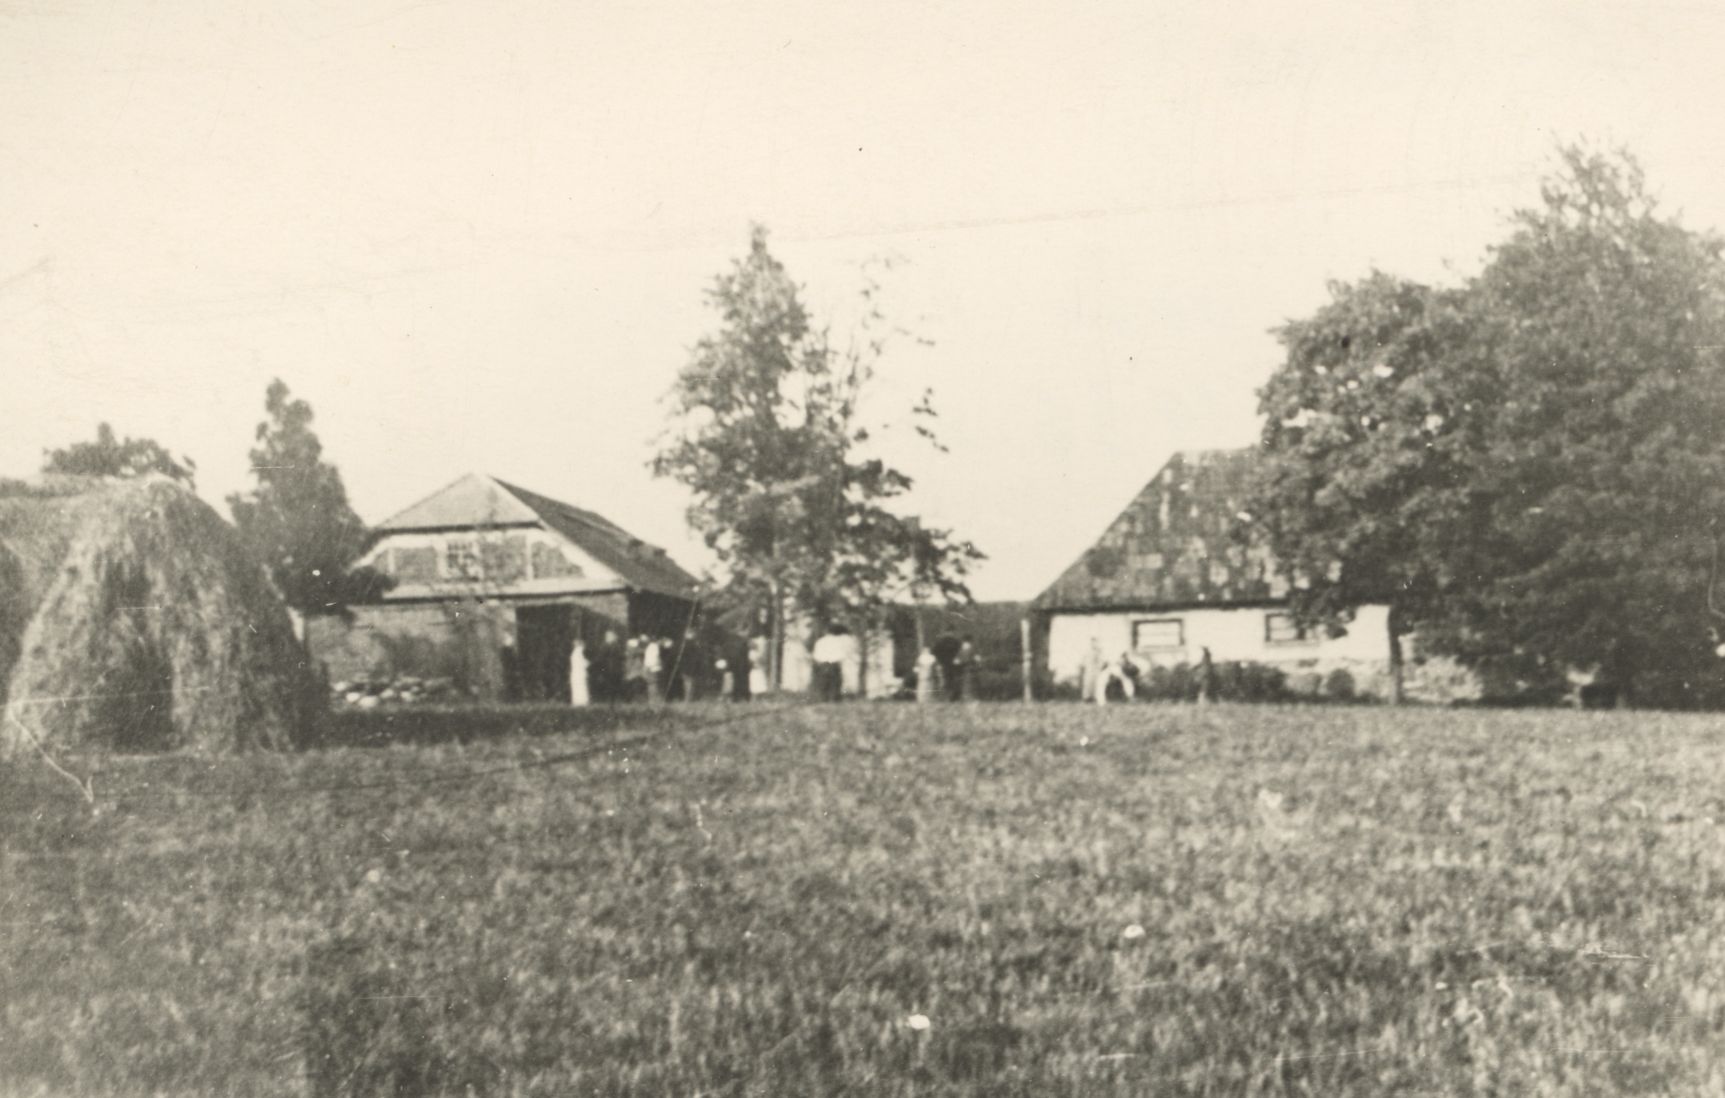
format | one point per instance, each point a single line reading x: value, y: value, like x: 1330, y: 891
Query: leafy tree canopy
x: 297, y: 518
x: 1530, y: 466
x: 767, y: 433
x: 111, y: 456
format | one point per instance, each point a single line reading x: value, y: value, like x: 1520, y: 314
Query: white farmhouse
x: 1172, y: 576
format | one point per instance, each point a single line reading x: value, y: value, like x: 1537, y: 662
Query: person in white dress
x: 578, y: 691
x: 927, y: 676
x: 653, y: 662
x: 758, y: 685
x: 1090, y: 674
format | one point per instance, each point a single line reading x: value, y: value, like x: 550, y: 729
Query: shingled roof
x: 647, y: 567
x: 1175, y: 544
x: 477, y: 500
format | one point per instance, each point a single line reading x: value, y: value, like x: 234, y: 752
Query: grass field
x: 1145, y: 900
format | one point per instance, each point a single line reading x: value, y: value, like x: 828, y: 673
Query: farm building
x: 492, y: 585
x: 1170, y: 578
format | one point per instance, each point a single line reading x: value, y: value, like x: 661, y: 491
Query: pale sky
x: 476, y: 236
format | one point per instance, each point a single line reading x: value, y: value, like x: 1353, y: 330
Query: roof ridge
x: 427, y: 497
x: 1211, y: 452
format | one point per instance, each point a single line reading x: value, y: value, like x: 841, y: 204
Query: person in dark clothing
x: 1206, y: 679
x: 964, y: 670
x: 607, y: 673
x: 694, y: 668
x: 946, y: 648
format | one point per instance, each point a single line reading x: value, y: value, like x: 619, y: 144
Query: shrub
x: 1252, y: 682
x: 1235, y: 680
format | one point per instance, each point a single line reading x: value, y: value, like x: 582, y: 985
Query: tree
x: 110, y: 456
x: 1532, y: 466
x: 767, y: 434
x: 297, y: 519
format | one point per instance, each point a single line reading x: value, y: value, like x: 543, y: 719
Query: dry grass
x: 148, y: 627
x: 1143, y: 900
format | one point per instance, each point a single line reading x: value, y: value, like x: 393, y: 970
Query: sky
x: 477, y: 236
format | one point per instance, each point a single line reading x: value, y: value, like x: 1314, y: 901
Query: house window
x: 1281, y: 628
x: 461, y: 560
x: 415, y: 564
x: 1158, y: 633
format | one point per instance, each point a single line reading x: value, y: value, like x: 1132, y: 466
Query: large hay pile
x: 132, y: 619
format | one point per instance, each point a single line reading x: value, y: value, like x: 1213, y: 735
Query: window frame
x: 466, y: 550
x: 1179, y: 625
x: 1302, y: 635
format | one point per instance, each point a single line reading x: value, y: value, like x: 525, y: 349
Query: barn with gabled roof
x: 1178, y: 573
x: 492, y: 584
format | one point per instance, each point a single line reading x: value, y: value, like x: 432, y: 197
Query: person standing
x: 1126, y: 673
x: 830, y: 653
x: 579, y: 692
x: 927, y: 676
x: 694, y: 667
x: 653, y: 668
x: 606, y: 668
x: 964, y: 666
x: 1090, y: 684
x: 634, y: 671
x: 758, y: 685
x: 1206, y: 679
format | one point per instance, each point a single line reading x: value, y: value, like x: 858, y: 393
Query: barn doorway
x: 543, y: 636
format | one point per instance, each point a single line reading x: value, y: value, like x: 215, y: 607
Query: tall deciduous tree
x: 297, y: 519
x: 767, y: 433
x: 111, y: 456
x: 1531, y: 466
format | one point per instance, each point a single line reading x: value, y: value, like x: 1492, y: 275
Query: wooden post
x: 1027, y: 660
x: 775, y: 641
x: 862, y: 665
x: 1398, y: 693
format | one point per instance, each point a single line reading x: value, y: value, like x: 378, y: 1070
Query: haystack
x: 148, y: 627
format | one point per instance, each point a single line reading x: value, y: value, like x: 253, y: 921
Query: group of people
x: 645, y: 668
x: 657, y: 668
x: 946, y: 670
x: 1099, y: 677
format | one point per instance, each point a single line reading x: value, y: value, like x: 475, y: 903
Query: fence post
x: 1028, y: 659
